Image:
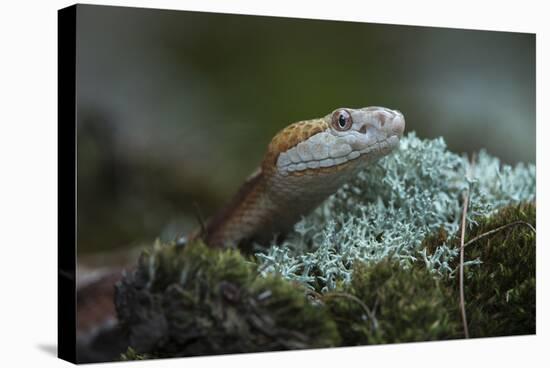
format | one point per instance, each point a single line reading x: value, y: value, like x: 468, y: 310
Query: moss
x: 500, y: 293
x: 413, y: 304
x: 131, y: 354
x: 197, y: 301
x: 434, y: 240
x: 390, y: 304
x: 500, y: 290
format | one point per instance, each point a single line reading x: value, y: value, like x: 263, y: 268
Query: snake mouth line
x: 379, y: 148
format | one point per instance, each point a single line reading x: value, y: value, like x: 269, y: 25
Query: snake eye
x: 341, y: 120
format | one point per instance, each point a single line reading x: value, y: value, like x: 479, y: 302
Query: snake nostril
x: 363, y: 129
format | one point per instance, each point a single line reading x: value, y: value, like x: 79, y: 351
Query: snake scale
x: 304, y: 164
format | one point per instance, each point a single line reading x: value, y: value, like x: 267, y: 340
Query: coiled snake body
x: 304, y: 164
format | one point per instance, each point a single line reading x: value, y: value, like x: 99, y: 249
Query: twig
x: 466, y: 199
x: 491, y: 232
x: 461, y: 277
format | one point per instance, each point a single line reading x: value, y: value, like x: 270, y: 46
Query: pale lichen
x: 388, y: 209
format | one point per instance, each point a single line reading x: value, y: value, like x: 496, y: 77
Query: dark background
x: 175, y: 109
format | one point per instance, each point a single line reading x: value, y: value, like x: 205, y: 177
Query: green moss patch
x: 196, y: 300
x: 500, y: 292
x: 201, y: 301
x: 390, y: 304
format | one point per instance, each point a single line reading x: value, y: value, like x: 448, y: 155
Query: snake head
x: 344, y: 138
x: 367, y: 125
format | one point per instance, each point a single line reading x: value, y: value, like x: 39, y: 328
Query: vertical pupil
x: 342, y: 120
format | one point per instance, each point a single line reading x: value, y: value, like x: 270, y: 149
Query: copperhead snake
x: 304, y: 164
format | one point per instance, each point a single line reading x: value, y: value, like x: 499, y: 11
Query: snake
x: 305, y: 163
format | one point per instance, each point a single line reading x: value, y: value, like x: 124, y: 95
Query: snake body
x: 304, y: 164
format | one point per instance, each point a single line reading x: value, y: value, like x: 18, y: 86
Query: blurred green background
x: 175, y: 109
